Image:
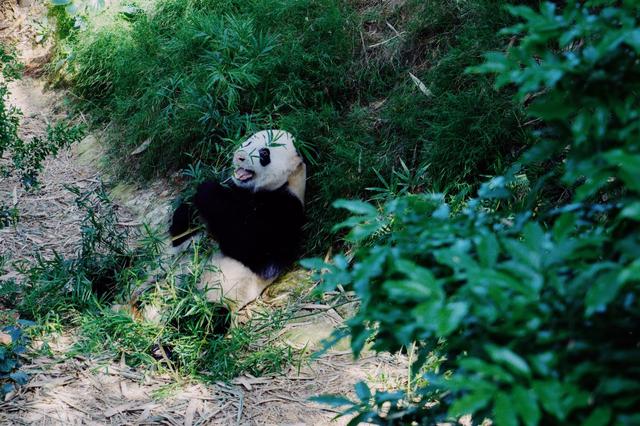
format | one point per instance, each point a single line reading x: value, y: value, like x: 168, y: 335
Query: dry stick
x: 70, y: 403
x: 364, y: 49
x: 190, y: 412
x: 205, y: 420
x: 392, y: 28
x: 386, y: 41
x: 240, y: 407
x: 281, y: 398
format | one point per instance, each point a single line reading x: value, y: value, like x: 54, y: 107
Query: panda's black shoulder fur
x: 262, y: 229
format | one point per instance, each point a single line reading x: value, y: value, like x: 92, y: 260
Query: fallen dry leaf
x: 5, y: 339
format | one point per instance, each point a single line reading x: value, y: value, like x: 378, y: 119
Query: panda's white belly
x: 227, y: 280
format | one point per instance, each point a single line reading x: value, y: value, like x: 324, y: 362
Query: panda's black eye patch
x: 265, y: 156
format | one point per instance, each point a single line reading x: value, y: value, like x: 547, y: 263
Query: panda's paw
x: 181, y: 224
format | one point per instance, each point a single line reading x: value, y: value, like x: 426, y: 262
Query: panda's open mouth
x: 244, y: 175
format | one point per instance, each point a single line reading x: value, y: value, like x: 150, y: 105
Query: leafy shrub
x: 9, y: 119
x: 25, y: 158
x: 10, y: 70
x: 26, y: 161
x: 538, y: 305
x: 66, y: 285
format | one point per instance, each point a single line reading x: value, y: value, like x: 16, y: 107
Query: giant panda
x: 256, y: 219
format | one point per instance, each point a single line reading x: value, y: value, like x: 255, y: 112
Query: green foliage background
x: 19, y: 157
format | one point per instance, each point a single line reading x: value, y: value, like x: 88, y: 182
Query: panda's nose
x: 240, y: 157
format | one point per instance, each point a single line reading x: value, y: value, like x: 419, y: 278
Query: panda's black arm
x: 221, y: 208
x: 181, y: 223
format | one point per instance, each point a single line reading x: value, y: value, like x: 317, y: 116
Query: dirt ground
x: 98, y: 389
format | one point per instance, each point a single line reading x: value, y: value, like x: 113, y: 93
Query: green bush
x: 194, y: 77
x: 10, y: 69
x: 61, y: 285
x: 538, y: 305
x: 24, y: 157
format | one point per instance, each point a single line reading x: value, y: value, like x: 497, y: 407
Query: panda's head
x: 267, y: 161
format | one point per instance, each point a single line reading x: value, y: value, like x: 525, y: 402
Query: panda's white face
x: 266, y: 161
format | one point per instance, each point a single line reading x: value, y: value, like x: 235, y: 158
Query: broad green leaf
x: 364, y: 231
x: 450, y: 316
x: 7, y: 365
x: 575, y: 397
x: 552, y: 108
x: 633, y: 38
x: 494, y: 372
x: 601, y: 416
x: 381, y: 397
x: 488, y: 249
x: 616, y: 385
x: 602, y: 292
x: 528, y: 280
x: 550, y: 394
x: 534, y: 236
x: 543, y: 363
x: 313, y: 263
x: 362, y: 391
x: 427, y: 311
x: 508, y: 358
x: 356, y: 207
x: 519, y: 251
x: 332, y: 400
x: 350, y: 222
x: 564, y: 226
x: 6, y: 388
x: 404, y: 290
x: 504, y: 410
x: 630, y: 273
x: 416, y: 272
x: 495, y: 62
x: 526, y: 405
x: 496, y: 188
x: 470, y: 403
x: 632, y: 211
x: 19, y: 377
x: 359, y: 336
